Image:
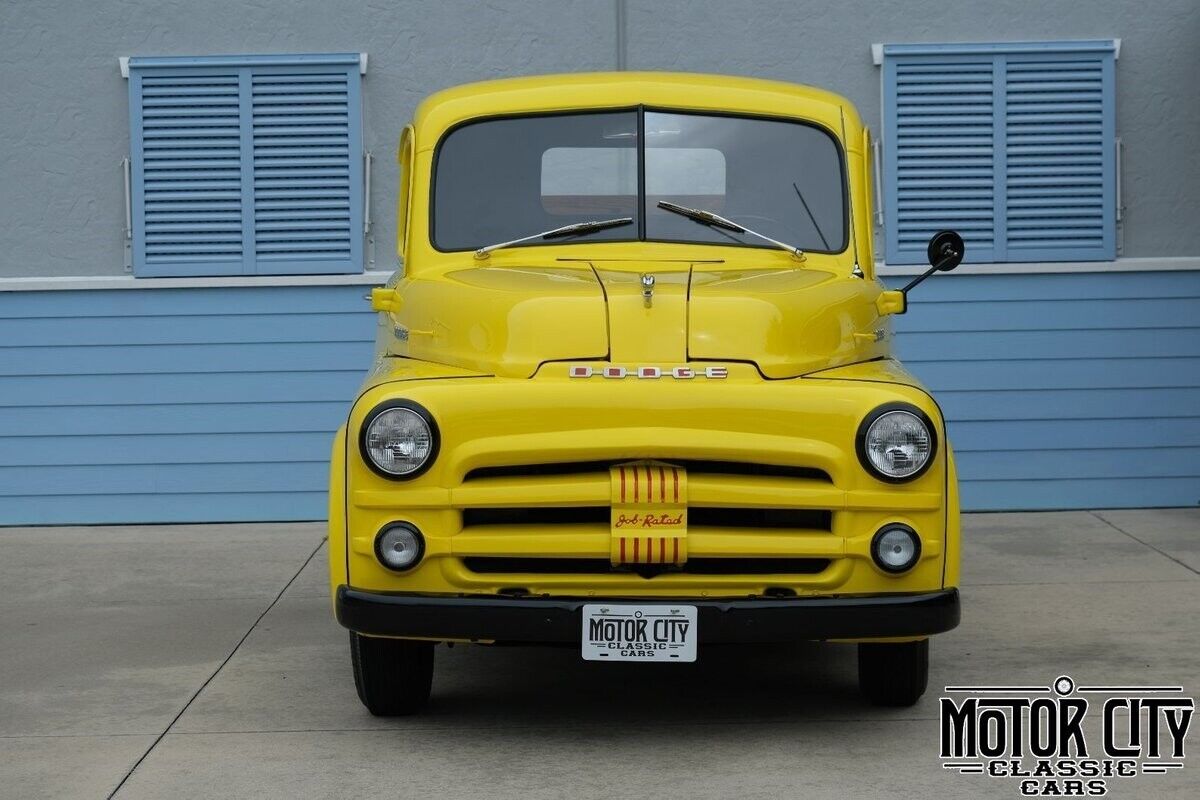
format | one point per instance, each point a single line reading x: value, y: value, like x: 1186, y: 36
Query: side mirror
x: 945, y: 252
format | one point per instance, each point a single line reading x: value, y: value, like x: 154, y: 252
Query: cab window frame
x: 641, y: 110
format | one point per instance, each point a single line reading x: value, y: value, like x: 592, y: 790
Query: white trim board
x: 123, y: 61
x: 102, y: 282
x: 380, y: 277
x: 879, y: 49
x: 1169, y: 264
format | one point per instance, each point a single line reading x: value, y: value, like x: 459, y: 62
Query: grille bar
x: 698, y: 517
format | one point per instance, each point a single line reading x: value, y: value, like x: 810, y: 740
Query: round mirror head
x: 946, y: 250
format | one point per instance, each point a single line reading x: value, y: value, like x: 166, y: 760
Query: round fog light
x: 896, y: 548
x: 399, y: 546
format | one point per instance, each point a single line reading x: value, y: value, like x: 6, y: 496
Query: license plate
x: 639, y: 632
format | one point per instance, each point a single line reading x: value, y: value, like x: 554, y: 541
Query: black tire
x: 392, y: 676
x: 891, y: 674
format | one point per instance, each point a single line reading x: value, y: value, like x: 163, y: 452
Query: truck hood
x: 510, y: 320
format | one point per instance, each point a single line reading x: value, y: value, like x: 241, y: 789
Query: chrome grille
x: 693, y: 467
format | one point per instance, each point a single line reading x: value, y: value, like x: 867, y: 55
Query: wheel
x: 893, y: 674
x: 392, y: 676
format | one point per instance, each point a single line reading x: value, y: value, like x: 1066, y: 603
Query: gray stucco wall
x: 828, y: 44
x: 64, y: 121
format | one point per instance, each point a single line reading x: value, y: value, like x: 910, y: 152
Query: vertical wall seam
x: 622, y: 52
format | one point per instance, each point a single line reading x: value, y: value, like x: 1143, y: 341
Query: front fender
x: 889, y: 370
x: 338, y: 574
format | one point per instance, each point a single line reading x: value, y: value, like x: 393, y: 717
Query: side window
x: 1012, y: 145
x: 246, y: 165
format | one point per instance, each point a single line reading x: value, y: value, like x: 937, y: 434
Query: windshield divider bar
x: 641, y: 173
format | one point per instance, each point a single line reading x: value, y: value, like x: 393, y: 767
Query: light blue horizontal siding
x: 172, y: 419
x: 194, y: 405
x: 1037, y: 346
x: 1072, y: 493
x: 1165, y: 314
x: 161, y: 449
x: 176, y: 303
x: 307, y: 477
x: 177, y: 387
x: 1083, y: 373
x: 1063, y: 391
x: 184, y: 358
x: 253, y: 506
x: 214, y: 328
x: 175, y: 405
x: 965, y: 406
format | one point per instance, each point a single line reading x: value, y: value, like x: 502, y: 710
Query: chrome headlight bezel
x: 896, y: 527
x: 404, y: 405
x: 418, y: 546
x: 860, y: 441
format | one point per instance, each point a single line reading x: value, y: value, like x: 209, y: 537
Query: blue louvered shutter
x: 940, y: 154
x: 187, y: 173
x: 1060, y: 170
x: 246, y: 165
x: 1011, y: 145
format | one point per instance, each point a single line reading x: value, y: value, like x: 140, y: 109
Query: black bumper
x: 559, y: 620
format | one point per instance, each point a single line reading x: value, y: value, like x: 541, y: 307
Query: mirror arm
x: 945, y: 252
x: 917, y: 280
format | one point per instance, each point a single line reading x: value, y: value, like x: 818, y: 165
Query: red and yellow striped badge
x: 649, y: 514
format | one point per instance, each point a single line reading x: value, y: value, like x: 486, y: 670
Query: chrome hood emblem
x: 647, y: 289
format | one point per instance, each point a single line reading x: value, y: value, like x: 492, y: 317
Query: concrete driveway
x: 202, y: 661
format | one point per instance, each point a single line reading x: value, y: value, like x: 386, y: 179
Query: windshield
x: 504, y: 179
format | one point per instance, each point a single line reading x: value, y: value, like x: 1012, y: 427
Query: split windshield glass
x: 503, y: 179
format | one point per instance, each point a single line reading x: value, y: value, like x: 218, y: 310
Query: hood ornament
x: 648, y: 289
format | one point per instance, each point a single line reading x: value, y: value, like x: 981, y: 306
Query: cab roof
x: 596, y: 90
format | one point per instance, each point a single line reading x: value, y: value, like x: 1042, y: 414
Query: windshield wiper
x: 811, y: 218
x: 717, y: 221
x: 575, y: 229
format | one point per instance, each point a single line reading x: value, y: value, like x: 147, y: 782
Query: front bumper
x: 559, y: 620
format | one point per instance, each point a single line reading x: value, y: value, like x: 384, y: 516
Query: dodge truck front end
x: 634, y: 392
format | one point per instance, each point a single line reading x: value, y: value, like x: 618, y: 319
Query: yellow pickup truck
x: 634, y: 391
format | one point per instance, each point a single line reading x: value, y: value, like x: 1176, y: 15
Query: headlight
x: 896, y: 442
x: 399, y: 440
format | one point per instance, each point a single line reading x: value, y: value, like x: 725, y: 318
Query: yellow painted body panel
x: 552, y: 418
x: 337, y: 510
x: 486, y: 346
